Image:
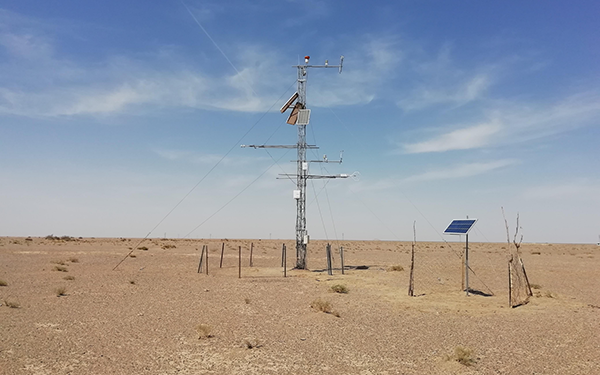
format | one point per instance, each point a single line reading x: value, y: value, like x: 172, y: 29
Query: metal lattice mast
x: 300, y: 116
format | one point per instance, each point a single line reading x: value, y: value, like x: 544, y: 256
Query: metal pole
x: 467, y: 263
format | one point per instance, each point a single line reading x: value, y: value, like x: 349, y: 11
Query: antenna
x: 300, y: 116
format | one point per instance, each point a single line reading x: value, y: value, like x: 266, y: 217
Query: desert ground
x: 66, y: 311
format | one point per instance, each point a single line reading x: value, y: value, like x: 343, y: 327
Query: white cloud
x: 461, y: 139
x: 580, y: 191
x: 457, y: 95
x: 461, y: 171
x: 208, y: 159
x: 515, y: 123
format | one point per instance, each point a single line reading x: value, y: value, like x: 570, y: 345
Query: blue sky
x: 111, y: 112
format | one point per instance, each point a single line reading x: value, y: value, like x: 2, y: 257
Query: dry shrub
x: 61, y: 262
x: 3, y: 283
x: 535, y: 286
x: 247, y: 300
x: 339, y: 288
x: 321, y: 305
x: 132, y: 255
x: 462, y: 355
x: 251, y: 344
x: 395, y: 267
x: 69, y: 277
x: 203, y: 331
x: 60, y: 291
x: 60, y: 269
x: 143, y: 248
x: 73, y: 260
x: 12, y: 304
x: 168, y: 246
x: 132, y: 282
x: 549, y: 294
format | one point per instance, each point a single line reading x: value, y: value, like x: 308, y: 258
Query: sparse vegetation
x: 395, y: 267
x: 69, y: 277
x: 321, y: 305
x: 324, y: 306
x: 143, y: 248
x: 73, y: 260
x: 339, y: 288
x: 132, y: 282
x: 535, y: 286
x: 462, y: 355
x: 168, y: 246
x: 12, y: 304
x: 132, y: 256
x: 3, y: 283
x: 204, y: 331
x: 61, y: 262
x: 549, y: 294
x: 536, y: 253
x: 251, y: 344
x: 61, y: 291
x: 60, y: 269
x: 247, y: 300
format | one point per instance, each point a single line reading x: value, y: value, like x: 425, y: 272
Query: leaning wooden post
x: 240, y: 262
x: 529, y: 291
x: 342, y: 258
x: 201, y: 258
x: 206, y: 260
x: 411, y: 281
x: 222, y: 250
x: 284, y: 261
x: 251, y: 251
x: 282, y: 255
x: 328, y: 251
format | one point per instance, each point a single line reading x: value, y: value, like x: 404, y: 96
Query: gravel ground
x: 143, y: 317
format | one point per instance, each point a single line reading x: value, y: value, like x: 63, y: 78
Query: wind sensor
x: 300, y: 117
x: 463, y: 227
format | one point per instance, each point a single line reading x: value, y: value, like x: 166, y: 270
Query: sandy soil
x: 144, y: 316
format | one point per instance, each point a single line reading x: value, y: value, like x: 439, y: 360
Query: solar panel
x: 460, y: 226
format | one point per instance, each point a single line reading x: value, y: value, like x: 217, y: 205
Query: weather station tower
x: 300, y: 117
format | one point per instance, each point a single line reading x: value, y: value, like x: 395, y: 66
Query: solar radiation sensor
x: 462, y: 226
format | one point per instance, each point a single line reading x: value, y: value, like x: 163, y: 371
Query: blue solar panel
x: 460, y: 226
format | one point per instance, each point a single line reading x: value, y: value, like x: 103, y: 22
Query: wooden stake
x: 222, y: 250
x: 509, y: 285
x: 251, y: 251
x: 206, y: 260
x: 411, y: 280
x: 201, y: 258
x: 284, y: 260
x: 240, y: 263
x: 529, y: 291
x: 328, y: 252
x: 342, y: 258
x: 282, y: 255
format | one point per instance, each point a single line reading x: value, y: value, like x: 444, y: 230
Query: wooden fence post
x: 239, y: 262
x: 342, y: 258
x: 251, y: 251
x: 284, y: 260
x: 206, y: 260
x: 328, y: 251
x: 201, y: 259
x: 222, y: 250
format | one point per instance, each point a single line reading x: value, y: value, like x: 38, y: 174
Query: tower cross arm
x: 312, y: 147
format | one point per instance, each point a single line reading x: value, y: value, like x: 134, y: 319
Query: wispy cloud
x: 460, y: 139
x: 515, y: 123
x: 579, y: 191
x: 461, y: 171
x: 208, y: 159
x: 464, y: 170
